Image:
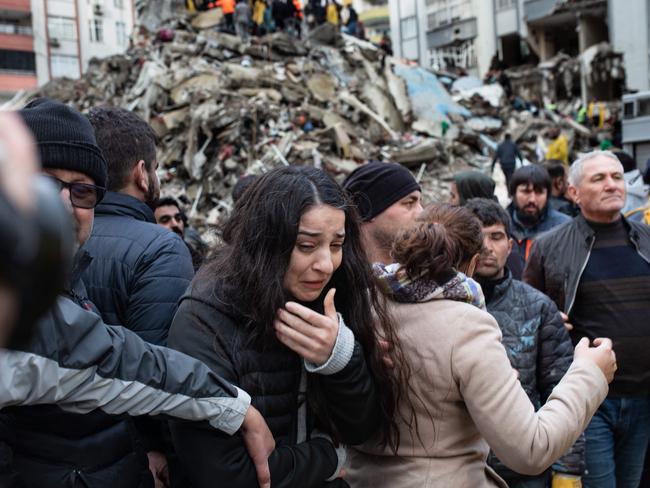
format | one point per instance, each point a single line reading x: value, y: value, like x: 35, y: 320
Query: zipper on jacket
x: 582, y: 270
x: 636, y: 247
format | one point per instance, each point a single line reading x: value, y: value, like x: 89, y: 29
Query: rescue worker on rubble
x: 559, y: 147
x: 333, y: 12
x: 507, y: 154
x: 228, y: 9
x: 263, y: 313
x: 242, y: 19
x: 283, y: 14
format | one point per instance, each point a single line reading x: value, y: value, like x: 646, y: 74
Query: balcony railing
x: 24, y: 30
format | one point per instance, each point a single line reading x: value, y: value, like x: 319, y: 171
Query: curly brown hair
x: 444, y: 237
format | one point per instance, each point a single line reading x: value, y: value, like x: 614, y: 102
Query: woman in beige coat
x: 464, y: 393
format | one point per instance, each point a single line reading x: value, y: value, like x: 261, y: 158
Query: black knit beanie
x: 376, y: 186
x: 65, y: 138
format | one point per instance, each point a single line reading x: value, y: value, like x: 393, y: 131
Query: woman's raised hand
x: 602, y: 354
x: 310, y: 334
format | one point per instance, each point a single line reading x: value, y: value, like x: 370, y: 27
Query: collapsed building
x: 222, y: 108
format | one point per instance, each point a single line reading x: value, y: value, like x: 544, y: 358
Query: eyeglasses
x: 82, y: 195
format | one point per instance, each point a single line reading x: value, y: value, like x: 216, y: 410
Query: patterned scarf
x: 395, y: 283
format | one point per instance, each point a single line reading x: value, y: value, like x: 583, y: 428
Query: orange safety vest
x: 298, y: 6
x: 227, y: 6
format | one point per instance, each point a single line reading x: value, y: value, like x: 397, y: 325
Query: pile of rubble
x: 222, y: 108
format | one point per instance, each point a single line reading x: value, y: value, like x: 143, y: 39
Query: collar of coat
x: 115, y: 203
x: 396, y: 284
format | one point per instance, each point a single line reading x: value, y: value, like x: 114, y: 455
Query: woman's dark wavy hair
x: 248, y: 273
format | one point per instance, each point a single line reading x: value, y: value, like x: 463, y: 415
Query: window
x: 460, y: 56
x: 409, y: 27
x: 17, y: 61
x: 119, y: 4
x: 120, y: 34
x: 644, y: 107
x: 96, y: 30
x: 61, y: 28
x: 62, y: 65
x: 628, y: 110
x: 8, y: 27
x: 505, y: 4
x: 444, y: 12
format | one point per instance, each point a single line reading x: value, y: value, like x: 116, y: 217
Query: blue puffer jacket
x: 139, y: 270
x: 539, y: 348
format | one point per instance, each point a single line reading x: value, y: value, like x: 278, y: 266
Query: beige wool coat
x: 467, y: 397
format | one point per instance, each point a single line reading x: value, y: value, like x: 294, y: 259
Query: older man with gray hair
x: 597, y: 270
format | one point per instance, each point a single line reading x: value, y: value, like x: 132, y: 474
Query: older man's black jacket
x: 558, y: 258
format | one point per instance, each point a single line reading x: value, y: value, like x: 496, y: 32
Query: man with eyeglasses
x: 61, y: 392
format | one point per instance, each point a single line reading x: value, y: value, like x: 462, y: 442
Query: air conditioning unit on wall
x: 98, y: 9
x: 54, y: 42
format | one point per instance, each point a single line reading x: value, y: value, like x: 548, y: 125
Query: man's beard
x: 383, y: 239
x: 151, y: 197
x: 530, y: 219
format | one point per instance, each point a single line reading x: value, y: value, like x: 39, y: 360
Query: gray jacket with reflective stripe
x: 81, y: 364
x: 77, y: 363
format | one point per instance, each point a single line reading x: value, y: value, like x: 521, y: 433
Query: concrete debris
x: 223, y: 108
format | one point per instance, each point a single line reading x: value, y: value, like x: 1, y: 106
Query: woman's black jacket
x: 204, y: 328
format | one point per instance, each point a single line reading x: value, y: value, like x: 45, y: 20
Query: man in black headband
x: 388, y: 199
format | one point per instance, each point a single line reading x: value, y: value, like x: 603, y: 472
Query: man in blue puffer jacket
x: 537, y: 343
x: 139, y: 270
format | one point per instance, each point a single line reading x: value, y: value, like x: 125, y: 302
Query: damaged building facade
x: 599, y: 39
x: 45, y: 39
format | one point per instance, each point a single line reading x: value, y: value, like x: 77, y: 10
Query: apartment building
x: 45, y: 39
x: 375, y: 18
x: 17, y: 57
x: 467, y: 34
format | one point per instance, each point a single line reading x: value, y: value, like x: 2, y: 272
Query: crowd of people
x: 260, y: 17
x: 339, y: 335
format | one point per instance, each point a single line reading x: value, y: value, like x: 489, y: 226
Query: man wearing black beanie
x: 388, y: 199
